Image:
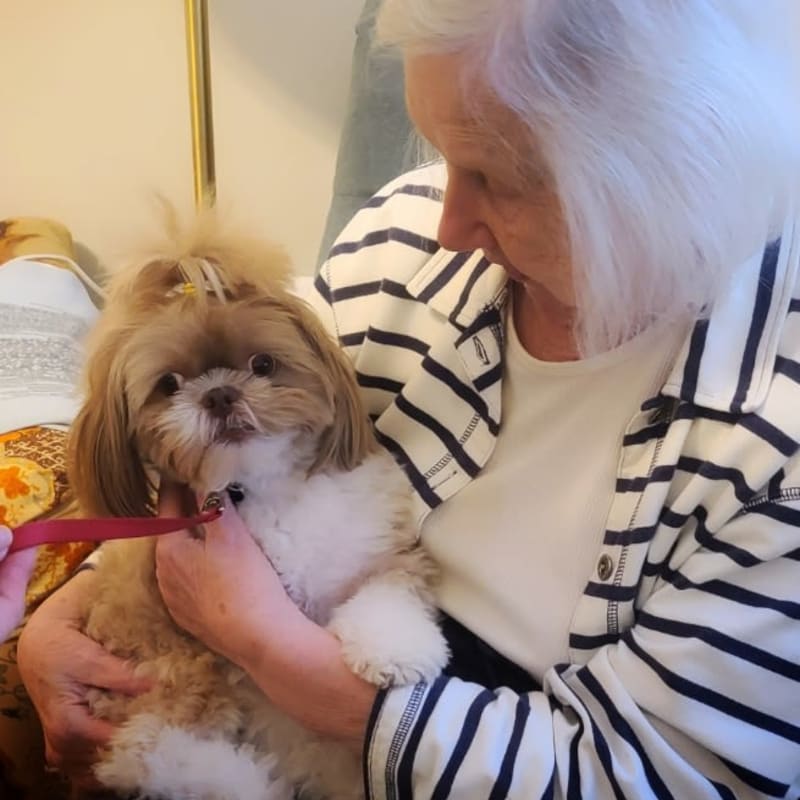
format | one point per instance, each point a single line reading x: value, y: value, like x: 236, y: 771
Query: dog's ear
x: 104, y: 469
x: 349, y: 438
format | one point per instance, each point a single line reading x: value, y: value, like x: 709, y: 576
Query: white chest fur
x: 323, y: 533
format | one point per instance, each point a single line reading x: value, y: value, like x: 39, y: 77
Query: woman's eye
x: 169, y: 383
x: 262, y: 364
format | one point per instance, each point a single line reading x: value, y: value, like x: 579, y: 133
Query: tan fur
x: 129, y: 434
x: 105, y: 465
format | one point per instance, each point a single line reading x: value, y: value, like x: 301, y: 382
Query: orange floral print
x: 12, y: 485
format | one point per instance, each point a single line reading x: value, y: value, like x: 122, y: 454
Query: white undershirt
x: 518, y: 544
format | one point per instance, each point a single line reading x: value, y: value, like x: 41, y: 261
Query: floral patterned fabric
x: 32, y: 483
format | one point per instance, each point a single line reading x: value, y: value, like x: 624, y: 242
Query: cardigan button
x: 605, y: 567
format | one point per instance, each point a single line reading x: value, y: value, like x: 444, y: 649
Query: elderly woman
x: 581, y: 338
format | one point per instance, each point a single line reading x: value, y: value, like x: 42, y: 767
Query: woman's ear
x: 103, y: 465
x: 350, y: 438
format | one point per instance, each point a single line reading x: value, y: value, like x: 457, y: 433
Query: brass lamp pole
x: 205, y: 180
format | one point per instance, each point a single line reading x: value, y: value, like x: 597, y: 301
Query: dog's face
x: 174, y: 381
x: 197, y: 379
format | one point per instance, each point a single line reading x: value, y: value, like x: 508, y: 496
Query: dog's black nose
x: 220, y: 400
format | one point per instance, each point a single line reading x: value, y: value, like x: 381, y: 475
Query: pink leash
x: 56, y: 531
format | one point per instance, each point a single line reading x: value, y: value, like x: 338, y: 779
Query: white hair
x: 671, y: 129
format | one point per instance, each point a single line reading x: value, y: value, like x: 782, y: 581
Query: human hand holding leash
x: 221, y: 588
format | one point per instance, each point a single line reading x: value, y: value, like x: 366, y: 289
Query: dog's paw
x: 389, y: 636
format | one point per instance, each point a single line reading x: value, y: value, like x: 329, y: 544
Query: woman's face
x: 510, y: 212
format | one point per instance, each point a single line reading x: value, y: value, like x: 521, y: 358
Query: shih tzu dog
x: 205, y: 369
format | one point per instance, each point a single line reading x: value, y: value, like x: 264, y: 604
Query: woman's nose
x: 463, y: 225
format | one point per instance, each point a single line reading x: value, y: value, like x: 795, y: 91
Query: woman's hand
x: 58, y: 664
x: 219, y: 587
x: 223, y: 590
x: 15, y: 570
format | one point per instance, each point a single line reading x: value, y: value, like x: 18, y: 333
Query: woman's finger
x: 6, y: 537
x: 15, y: 571
x: 106, y: 671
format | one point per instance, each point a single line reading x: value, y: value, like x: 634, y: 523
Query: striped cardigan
x: 683, y: 678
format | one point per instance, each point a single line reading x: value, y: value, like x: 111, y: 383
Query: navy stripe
x: 777, y: 511
x: 623, y: 729
x: 712, y: 699
x: 395, y: 289
x: 604, y: 754
x: 417, y: 479
x: 691, y: 369
x: 397, y: 340
x: 322, y: 287
x: 707, y: 539
x: 774, y: 485
x: 788, y: 367
x: 723, y: 642
x: 630, y: 536
x: 794, y: 305
x: 689, y: 411
x: 672, y: 518
x: 549, y: 792
x: 715, y: 472
x: 752, y: 422
x: 374, y: 238
x: 730, y: 591
x: 723, y: 791
x: 355, y: 290
x: 372, y: 721
x: 662, y: 474
x: 480, y: 268
x: 452, y: 444
x: 736, y: 554
x: 352, y: 339
x: 608, y: 591
x: 405, y: 768
x: 465, y: 392
x: 465, y: 738
x: 574, y: 779
x: 783, y: 443
x: 503, y: 782
x: 413, y: 189
x: 653, y: 403
x: 490, y: 317
x: 766, y: 283
x: 581, y: 642
x: 379, y: 382
x: 487, y: 379
x: 399, y: 738
x: 758, y: 782
x: 444, y: 276
x: 646, y: 434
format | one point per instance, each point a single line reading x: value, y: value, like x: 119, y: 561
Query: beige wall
x: 95, y: 113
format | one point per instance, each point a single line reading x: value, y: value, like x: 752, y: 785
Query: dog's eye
x: 169, y: 383
x: 262, y: 364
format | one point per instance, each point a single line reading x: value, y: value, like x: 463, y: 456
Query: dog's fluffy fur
x: 327, y: 506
